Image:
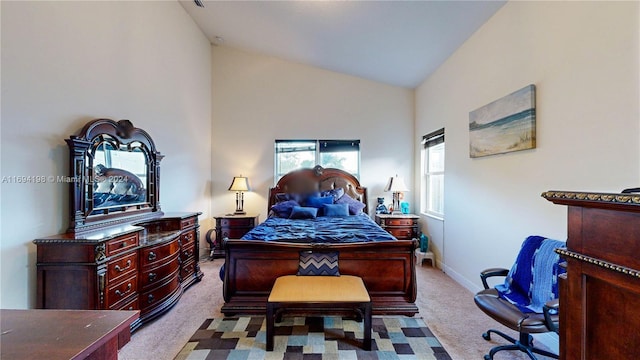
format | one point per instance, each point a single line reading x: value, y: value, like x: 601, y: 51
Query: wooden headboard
x: 319, y: 179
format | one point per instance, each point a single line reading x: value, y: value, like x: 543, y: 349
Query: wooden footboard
x: 387, y: 269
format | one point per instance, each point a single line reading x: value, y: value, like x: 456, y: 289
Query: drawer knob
x: 152, y: 276
x: 152, y: 256
x: 150, y: 298
x: 119, y: 269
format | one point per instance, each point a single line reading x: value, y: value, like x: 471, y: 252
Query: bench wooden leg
x: 367, y: 327
x: 270, y: 325
x: 365, y: 310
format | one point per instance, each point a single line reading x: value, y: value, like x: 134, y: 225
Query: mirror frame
x: 82, y: 214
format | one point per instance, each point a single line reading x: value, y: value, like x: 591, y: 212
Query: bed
x: 386, y: 265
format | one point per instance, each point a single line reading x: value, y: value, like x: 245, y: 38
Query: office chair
x: 527, y: 300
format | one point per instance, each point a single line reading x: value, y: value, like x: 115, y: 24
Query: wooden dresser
x: 120, y: 251
x: 143, y: 267
x: 600, y: 294
x: 402, y: 226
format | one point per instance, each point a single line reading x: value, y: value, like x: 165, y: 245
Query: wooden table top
x: 59, y: 334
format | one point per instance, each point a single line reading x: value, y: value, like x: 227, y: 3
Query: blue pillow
x: 336, y: 210
x: 318, y: 202
x: 335, y: 193
x: 283, y: 209
x: 355, y: 206
x: 301, y: 212
x: 299, y: 197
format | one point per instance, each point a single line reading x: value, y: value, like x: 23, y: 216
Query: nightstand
x: 230, y: 227
x: 402, y: 226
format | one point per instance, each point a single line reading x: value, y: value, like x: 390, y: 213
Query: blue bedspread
x: 323, y: 229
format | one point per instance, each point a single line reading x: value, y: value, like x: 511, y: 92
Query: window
x: 433, y: 173
x: 297, y: 154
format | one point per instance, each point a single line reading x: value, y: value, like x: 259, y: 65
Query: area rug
x: 329, y: 337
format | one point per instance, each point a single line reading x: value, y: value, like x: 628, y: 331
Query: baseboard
x: 469, y: 285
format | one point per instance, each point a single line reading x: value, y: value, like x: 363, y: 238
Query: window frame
x: 320, y: 147
x: 431, y: 141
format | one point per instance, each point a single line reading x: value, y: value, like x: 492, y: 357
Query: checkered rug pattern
x: 311, y: 338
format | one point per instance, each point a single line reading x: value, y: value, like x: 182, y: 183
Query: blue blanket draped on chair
x: 533, y: 279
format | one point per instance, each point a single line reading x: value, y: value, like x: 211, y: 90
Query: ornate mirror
x: 115, y: 175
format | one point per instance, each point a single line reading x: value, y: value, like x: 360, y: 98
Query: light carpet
x: 329, y: 337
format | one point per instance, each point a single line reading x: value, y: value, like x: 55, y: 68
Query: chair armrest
x: 487, y: 273
x: 551, y: 307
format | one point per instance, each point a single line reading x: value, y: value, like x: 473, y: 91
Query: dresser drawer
x: 122, y: 244
x: 246, y: 222
x: 155, y: 297
x: 406, y: 233
x: 188, y: 269
x: 187, y: 252
x: 233, y: 233
x: 400, y: 222
x: 155, y: 255
x: 154, y: 276
x: 128, y: 304
x: 188, y: 238
x: 122, y: 267
x: 121, y: 291
x: 188, y: 222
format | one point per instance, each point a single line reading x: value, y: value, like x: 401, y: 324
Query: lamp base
x: 239, y: 212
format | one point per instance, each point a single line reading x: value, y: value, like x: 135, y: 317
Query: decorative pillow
x: 355, y: 206
x: 335, y: 193
x: 318, y: 264
x: 103, y: 187
x: 335, y: 210
x: 319, y: 202
x: 123, y: 188
x: 280, y: 197
x: 283, y: 209
x: 299, y: 197
x: 301, y: 212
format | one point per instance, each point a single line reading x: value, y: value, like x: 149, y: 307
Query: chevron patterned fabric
x: 318, y: 263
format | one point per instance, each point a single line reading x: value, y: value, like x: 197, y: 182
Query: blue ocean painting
x: 505, y: 125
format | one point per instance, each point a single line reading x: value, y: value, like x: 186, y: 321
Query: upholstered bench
x: 318, y: 294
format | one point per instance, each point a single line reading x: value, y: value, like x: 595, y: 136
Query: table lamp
x: 396, y: 185
x: 240, y: 184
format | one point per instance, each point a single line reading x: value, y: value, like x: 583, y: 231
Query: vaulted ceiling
x: 394, y: 42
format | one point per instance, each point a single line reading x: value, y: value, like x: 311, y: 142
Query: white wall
x: 257, y: 99
x: 65, y: 63
x: 583, y: 58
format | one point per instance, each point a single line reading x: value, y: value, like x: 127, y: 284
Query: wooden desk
x: 64, y: 334
x: 599, y: 296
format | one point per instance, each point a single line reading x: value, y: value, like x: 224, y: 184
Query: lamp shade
x: 396, y: 184
x: 239, y: 183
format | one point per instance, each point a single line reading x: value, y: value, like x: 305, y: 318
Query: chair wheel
x: 487, y: 357
x: 487, y: 337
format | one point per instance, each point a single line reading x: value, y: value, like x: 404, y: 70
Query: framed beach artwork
x: 505, y: 125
